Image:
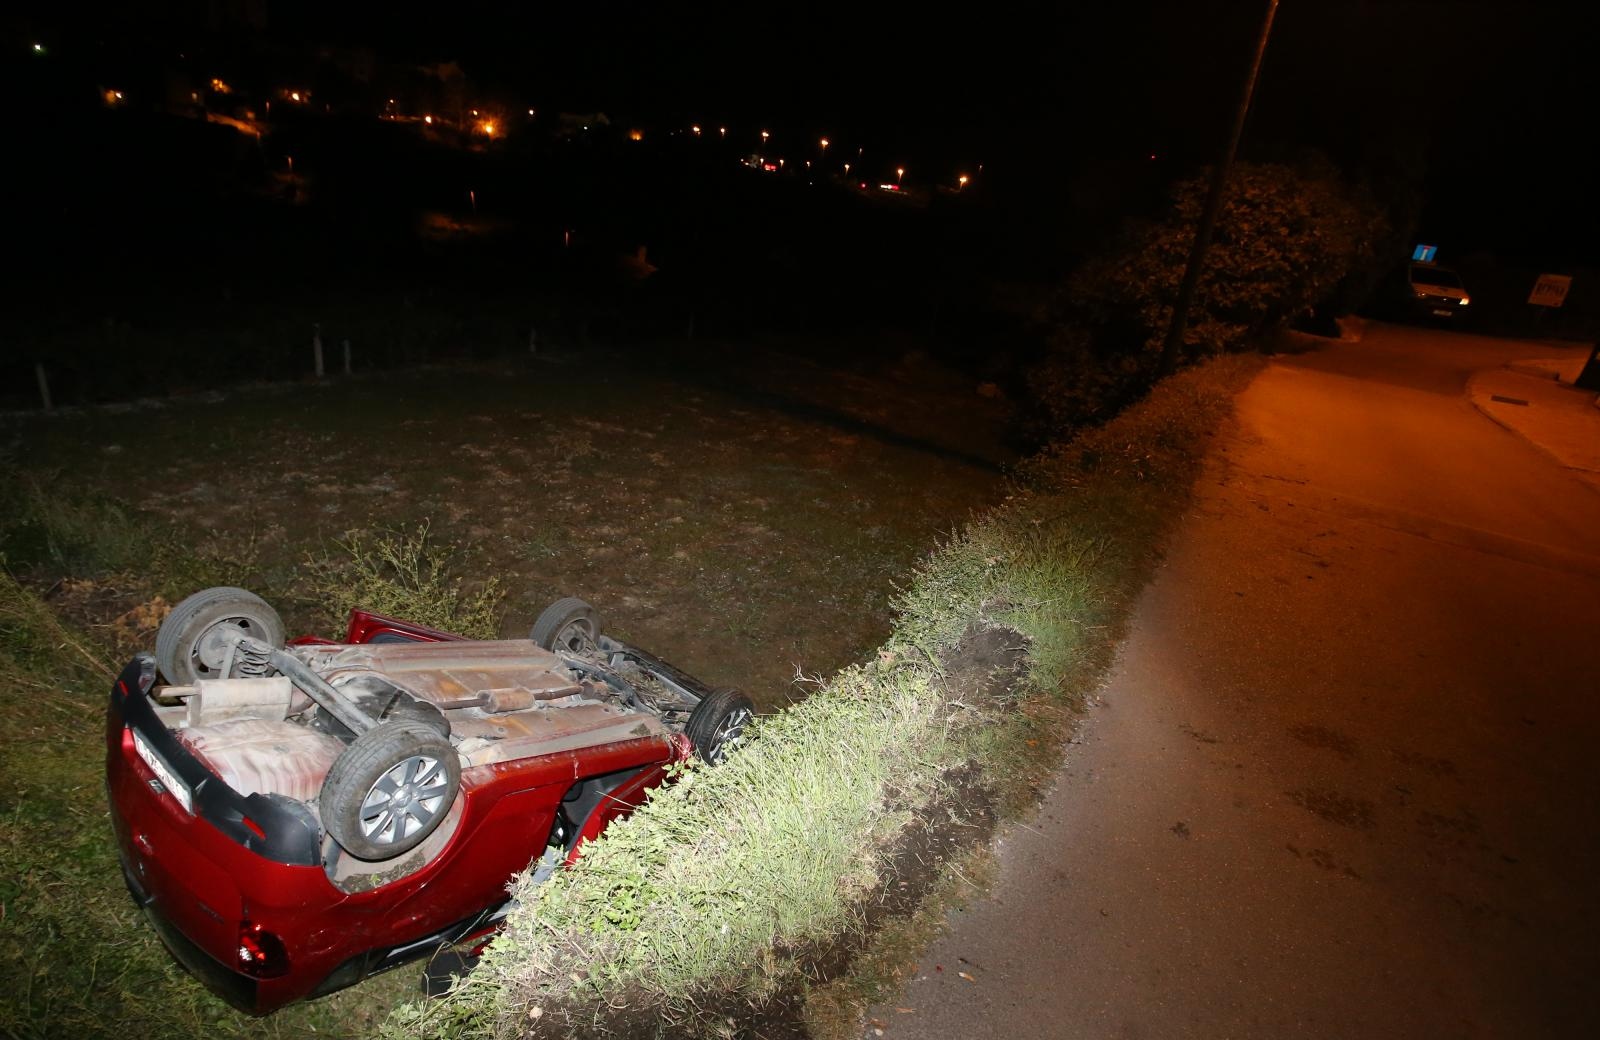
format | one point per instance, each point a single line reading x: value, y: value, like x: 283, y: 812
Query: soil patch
x: 743, y: 510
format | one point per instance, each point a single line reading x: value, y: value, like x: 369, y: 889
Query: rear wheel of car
x: 717, y: 724
x: 389, y: 790
x: 568, y: 624
x: 195, y: 639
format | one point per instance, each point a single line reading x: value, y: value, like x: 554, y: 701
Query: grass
x: 404, y: 573
x: 712, y: 488
x: 708, y: 897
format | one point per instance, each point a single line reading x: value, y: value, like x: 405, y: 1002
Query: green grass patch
x: 711, y: 894
x: 404, y: 573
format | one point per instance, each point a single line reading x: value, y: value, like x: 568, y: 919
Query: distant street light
x: 764, y: 136
x: 696, y: 129
x: 847, y: 169
x: 824, y: 147
x: 722, y: 130
x: 961, y: 182
x: 900, y: 175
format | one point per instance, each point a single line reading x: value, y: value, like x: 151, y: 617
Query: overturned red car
x: 294, y: 817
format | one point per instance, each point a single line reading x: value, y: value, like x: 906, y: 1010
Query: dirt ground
x: 742, y: 510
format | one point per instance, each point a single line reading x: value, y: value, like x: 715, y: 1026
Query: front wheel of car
x: 717, y: 724
x: 389, y: 790
x: 569, y: 625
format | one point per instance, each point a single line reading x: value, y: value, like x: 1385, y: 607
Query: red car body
x: 247, y: 893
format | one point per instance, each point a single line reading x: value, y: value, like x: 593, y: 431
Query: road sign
x: 1550, y: 290
x: 1424, y: 254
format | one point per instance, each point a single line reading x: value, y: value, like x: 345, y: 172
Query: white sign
x: 1550, y: 290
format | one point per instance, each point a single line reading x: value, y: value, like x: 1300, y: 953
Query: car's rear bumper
x: 238, y: 990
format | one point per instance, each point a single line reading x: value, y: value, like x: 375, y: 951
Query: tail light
x: 141, y: 671
x: 260, y: 953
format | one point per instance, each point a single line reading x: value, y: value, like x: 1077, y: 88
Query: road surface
x: 1345, y: 779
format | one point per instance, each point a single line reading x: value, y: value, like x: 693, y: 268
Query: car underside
x: 296, y: 816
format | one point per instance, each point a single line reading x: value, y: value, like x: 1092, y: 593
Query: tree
x: 1288, y: 239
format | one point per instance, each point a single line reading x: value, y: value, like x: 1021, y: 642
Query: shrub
x: 1287, y: 239
x: 403, y: 573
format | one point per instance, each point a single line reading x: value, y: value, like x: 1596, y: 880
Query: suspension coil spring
x: 252, y: 662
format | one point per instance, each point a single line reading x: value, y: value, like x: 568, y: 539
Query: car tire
x: 717, y: 723
x: 389, y: 790
x: 568, y: 624
x: 191, y: 643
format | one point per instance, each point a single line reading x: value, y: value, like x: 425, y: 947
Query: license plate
x: 1442, y: 313
x: 164, y: 773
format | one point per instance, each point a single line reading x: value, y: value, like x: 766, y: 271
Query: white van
x: 1437, y: 291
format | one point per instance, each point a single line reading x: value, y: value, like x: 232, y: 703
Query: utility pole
x: 1172, y: 346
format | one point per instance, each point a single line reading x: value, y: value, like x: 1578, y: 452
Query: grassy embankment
x: 730, y: 894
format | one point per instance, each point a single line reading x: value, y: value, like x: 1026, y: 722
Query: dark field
x: 743, y: 510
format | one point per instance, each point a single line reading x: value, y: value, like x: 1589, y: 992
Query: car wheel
x: 717, y: 724
x: 193, y: 642
x: 568, y: 624
x: 389, y: 790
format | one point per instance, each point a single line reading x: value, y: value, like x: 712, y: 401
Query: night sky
x: 1490, y: 104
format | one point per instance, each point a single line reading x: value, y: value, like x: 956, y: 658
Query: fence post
x: 533, y: 342
x: 44, y: 385
x: 346, y: 357
x: 316, y: 348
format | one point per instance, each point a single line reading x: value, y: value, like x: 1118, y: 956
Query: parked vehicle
x: 294, y: 817
x: 1437, y: 291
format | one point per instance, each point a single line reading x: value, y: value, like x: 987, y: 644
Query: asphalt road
x: 1345, y: 779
